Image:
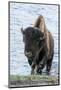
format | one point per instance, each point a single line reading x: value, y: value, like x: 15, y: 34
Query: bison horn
x: 22, y: 30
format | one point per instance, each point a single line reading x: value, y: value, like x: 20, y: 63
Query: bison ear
x: 22, y: 30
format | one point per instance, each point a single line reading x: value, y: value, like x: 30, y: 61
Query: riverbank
x: 32, y: 80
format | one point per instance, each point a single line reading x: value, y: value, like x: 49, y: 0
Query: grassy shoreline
x: 32, y: 80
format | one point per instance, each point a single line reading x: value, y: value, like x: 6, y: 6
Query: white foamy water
x: 26, y: 14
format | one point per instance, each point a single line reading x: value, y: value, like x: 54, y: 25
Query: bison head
x: 33, y: 39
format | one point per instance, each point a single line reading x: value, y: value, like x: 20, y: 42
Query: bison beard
x: 45, y: 48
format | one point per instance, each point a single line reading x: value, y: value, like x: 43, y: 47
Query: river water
x: 22, y: 14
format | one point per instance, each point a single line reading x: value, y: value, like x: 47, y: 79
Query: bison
x: 39, y: 46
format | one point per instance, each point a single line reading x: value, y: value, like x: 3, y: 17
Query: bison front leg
x: 32, y: 71
x: 34, y: 68
x: 39, y: 70
x: 42, y: 64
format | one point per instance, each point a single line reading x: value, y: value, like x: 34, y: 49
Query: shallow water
x: 26, y: 14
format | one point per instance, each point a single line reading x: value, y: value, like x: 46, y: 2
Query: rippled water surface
x: 26, y: 14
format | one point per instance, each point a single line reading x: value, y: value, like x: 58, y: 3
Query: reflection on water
x: 26, y: 14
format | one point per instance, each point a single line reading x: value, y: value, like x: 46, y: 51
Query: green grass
x: 34, y: 78
x: 30, y: 80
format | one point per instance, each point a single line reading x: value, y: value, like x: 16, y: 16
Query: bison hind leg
x: 48, y: 66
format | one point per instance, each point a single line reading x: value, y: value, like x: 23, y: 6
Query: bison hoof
x: 48, y: 73
x: 39, y: 71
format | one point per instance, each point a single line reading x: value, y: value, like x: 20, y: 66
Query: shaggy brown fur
x: 40, y: 23
x: 39, y: 46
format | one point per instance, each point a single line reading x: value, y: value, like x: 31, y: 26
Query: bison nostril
x: 29, y: 54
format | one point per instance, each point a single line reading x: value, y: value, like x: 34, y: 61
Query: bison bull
x: 39, y: 46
